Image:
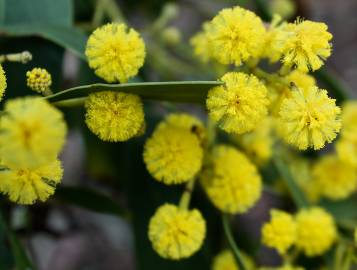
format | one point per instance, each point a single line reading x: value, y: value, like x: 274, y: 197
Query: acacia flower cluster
x: 252, y: 116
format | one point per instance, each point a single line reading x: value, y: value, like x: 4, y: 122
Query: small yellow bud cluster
x: 39, y: 80
x: 32, y: 135
x: 312, y: 231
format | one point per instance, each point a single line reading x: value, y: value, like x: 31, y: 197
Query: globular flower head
x: 3, y: 83
x: 226, y: 261
x: 258, y: 144
x: 32, y: 133
x: 238, y: 105
x: 173, y: 154
x: 176, y: 233
x: 309, y: 119
x: 316, y: 231
x: 235, y: 35
x: 231, y: 181
x: 280, y: 231
x: 26, y: 186
x: 306, y: 46
x: 39, y: 80
x: 336, y: 179
x: 114, y: 116
x: 280, y: 89
x: 115, y: 52
x: 201, y: 44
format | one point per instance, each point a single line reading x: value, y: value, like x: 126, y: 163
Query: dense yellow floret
x: 235, y: 35
x: 258, y: 143
x: 347, y: 144
x: 173, y: 154
x: 115, y: 52
x: 176, y: 233
x: 231, y: 181
x: 114, y: 116
x: 201, y: 44
x: 3, y: 83
x: 32, y: 133
x: 39, y: 80
x: 280, y: 231
x: 187, y: 122
x: 337, y: 179
x: 316, y: 231
x: 238, y: 105
x: 309, y: 119
x: 306, y: 46
x: 26, y: 186
x: 278, y: 90
x: 226, y: 261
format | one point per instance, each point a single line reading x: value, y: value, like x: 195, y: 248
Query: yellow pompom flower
x: 302, y: 80
x: 201, y: 44
x: 226, y: 261
x: 39, y: 80
x: 3, y: 83
x: 231, y: 181
x: 187, y: 122
x: 32, y: 133
x: 115, y: 52
x: 176, y: 233
x: 316, y: 231
x: 238, y: 105
x: 235, y: 35
x: 309, y: 119
x: 306, y: 46
x: 114, y: 116
x: 280, y: 231
x: 173, y: 154
x: 347, y: 144
x: 337, y: 180
x: 258, y: 143
x: 26, y: 186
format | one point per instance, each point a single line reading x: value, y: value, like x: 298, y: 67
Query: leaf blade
x: 184, y: 91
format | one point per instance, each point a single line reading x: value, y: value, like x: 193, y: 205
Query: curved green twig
x: 232, y: 243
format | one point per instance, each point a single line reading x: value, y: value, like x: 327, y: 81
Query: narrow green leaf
x: 89, y: 199
x: 232, y: 243
x: 22, y: 261
x: 185, y: 91
x: 39, y: 11
x: 296, y: 193
x: 64, y: 36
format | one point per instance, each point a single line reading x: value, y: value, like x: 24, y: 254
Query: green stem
x: 186, y: 196
x: 295, y: 191
x: 232, y: 243
x: 114, y: 12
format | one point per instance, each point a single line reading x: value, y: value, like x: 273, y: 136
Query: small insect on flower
x: 2, y: 82
x: 39, y: 80
x: 32, y: 133
x: 337, y: 180
x: 115, y: 52
x: 231, y: 181
x: 280, y: 231
x: 235, y: 35
x: 174, y: 153
x: 176, y: 233
x: 306, y: 46
x: 309, y: 119
x: 316, y: 231
x: 26, y: 186
x: 238, y: 105
x: 114, y: 116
